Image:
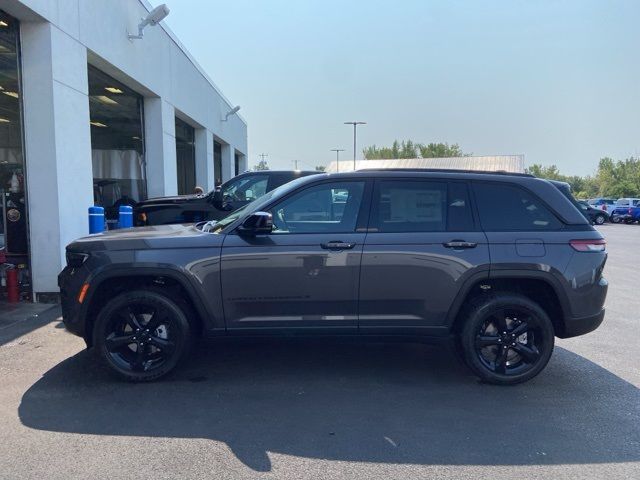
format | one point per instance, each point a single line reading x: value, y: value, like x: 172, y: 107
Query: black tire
x: 120, y: 333
x: 628, y: 221
x: 506, y: 338
x: 600, y: 219
x: 615, y: 219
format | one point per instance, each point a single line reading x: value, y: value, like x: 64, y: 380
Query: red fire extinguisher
x: 13, y: 293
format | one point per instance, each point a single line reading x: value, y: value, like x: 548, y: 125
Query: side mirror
x: 258, y: 223
x: 217, y: 198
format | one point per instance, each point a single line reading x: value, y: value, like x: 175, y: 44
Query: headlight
x: 76, y: 259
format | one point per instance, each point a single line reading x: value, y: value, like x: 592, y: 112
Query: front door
x: 422, y: 245
x: 306, y: 273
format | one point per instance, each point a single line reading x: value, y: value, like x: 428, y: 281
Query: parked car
x: 606, y: 204
x: 626, y: 210
x: 594, y: 215
x: 230, y: 196
x: 500, y: 263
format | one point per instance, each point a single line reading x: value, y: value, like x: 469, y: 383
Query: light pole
x: 337, y: 150
x: 355, y: 126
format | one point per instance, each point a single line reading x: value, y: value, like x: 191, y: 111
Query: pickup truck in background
x: 626, y: 214
x: 230, y: 196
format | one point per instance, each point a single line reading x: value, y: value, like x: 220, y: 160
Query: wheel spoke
x: 501, y: 360
x: 529, y: 354
x: 132, y: 319
x: 114, y: 342
x: 483, y: 341
x: 157, y: 319
x: 138, y: 363
x: 520, y: 329
x: 164, y: 345
x: 500, y: 320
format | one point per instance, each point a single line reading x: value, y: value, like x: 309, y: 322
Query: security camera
x: 233, y: 111
x: 154, y: 17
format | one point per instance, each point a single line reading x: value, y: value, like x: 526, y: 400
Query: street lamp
x: 355, y: 126
x: 337, y: 150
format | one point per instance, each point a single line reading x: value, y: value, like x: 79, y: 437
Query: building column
x: 228, y: 162
x: 59, y: 171
x: 160, y: 147
x: 243, y: 163
x: 204, y: 159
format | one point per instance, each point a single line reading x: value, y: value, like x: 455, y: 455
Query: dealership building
x: 90, y: 116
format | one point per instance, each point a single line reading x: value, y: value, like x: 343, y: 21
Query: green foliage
x: 409, y: 149
x: 612, y: 179
x: 320, y: 168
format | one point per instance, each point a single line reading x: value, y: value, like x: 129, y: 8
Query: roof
x: 506, y: 163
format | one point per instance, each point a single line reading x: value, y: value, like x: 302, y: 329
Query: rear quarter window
x: 504, y: 207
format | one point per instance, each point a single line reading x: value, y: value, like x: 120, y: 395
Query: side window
x: 507, y: 208
x: 324, y: 208
x: 460, y: 218
x: 410, y: 206
x: 245, y: 189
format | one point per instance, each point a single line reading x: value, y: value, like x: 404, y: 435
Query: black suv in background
x: 216, y: 204
x: 499, y: 263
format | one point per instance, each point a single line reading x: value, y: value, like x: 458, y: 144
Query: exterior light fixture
x: 154, y: 17
x: 233, y: 111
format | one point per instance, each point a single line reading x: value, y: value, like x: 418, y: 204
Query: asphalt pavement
x: 327, y: 408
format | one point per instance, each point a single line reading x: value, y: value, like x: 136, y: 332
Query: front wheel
x: 600, y: 219
x: 142, y: 335
x: 506, y: 338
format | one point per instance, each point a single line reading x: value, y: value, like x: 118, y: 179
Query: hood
x: 160, y: 236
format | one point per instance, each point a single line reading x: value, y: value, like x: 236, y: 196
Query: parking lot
x: 328, y: 409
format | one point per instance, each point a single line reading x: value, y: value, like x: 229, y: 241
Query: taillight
x: 630, y: 211
x: 589, y: 245
x: 604, y: 208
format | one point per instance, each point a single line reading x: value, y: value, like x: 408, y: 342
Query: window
x: 185, y: 157
x: 410, y: 206
x: 245, y: 189
x: 505, y: 208
x: 325, y: 208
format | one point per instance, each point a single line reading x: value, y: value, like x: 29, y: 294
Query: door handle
x: 337, y: 245
x: 459, y: 244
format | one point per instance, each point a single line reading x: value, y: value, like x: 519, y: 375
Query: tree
x: 262, y: 165
x: 409, y: 149
x: 320, y: 168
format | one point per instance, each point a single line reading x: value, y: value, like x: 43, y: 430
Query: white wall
x: 59, y: 37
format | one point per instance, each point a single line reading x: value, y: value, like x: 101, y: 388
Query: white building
x: 86, y: 114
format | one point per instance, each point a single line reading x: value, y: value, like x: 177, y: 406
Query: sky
x: 557, y: 81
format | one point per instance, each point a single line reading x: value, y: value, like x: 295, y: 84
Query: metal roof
x: 506, y: 163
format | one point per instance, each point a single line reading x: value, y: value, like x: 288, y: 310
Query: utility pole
x: 355, y: 126
x: 295, y: 164
x: 262, y: 155
x: 337, y: 150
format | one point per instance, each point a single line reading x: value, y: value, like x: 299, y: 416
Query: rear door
x: 422, y: 245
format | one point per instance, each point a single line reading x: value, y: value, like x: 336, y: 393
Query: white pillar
x: 160, y: 147
x: 204, y: 159
x: 59, y: 174
x: 228, y: 162
x: 243, y: 163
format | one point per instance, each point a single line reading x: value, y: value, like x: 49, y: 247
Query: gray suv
x: 500, y: 264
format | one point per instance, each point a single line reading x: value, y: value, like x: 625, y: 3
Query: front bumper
x: 70, y: 281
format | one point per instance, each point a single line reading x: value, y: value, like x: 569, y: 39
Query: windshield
x: 257, y: 204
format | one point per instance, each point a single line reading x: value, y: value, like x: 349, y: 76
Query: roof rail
x: 445, y: 170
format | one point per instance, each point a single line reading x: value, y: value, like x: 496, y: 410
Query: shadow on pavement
x: 21, y: 319
x: 365, y: 402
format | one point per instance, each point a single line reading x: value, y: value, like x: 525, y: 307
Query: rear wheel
x: 600, y: 219
x: 142, y: 335
x: 506, y: 338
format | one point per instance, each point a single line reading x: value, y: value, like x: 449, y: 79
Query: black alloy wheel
x: 142, y: 335
x: 507, y: 339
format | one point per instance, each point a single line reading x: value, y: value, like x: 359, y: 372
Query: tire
x: 497, y: 323
x: 120, y: 333
x: 600, y: 219
x: 615, y: 219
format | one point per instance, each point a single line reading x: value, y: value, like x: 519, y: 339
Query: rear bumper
x: 576, y: 326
